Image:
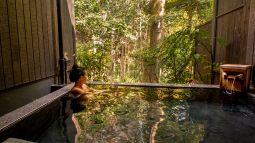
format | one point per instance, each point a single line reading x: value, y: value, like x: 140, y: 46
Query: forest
x: 140, y: 40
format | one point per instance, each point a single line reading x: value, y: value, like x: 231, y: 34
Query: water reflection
x: 138, y: 115
x: 64, y: 130
x: 230, y: 120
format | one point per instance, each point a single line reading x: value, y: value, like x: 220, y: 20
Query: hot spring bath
x: 158, y: 115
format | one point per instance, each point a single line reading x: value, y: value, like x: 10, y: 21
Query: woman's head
x: 76, y: 73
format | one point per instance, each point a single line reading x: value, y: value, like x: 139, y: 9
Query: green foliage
x: 177, y: 56
x: 113, y: 38
x: 147, y: 54
x: 107, y: 27
x: 92, y: 61
x: 187, y: 13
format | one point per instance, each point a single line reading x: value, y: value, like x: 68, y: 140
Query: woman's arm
x: 88, y: 89
x: 83, y: 94
x: 78, y: 91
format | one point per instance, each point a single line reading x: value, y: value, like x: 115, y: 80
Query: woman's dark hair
x: 76, y: 73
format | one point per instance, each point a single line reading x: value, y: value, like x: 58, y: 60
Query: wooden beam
x: 158, y: 85
x: 55, y: 36
x: 214, y: 36
x: 60, y: 42
x: 230, y: 11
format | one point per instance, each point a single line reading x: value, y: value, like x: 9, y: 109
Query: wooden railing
x: 30, y: 120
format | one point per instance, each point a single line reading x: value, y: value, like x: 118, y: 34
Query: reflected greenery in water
x: 121, y: 114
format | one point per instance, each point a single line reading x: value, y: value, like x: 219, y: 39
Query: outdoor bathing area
x: 144, y: 113
x: 166, y: 71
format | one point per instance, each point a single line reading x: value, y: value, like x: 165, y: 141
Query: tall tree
x: 120, y: 40
x: 181, y: 19
x: 151, y: 63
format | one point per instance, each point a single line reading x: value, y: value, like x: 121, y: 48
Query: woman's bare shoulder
x: 77, y: 90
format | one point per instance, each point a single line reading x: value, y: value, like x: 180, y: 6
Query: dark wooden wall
x: 250, y: 59
x: 233, y: 29
x: 232, y: 20
x: 29, y: 40
x: 250, y: 53
x: 68, y: 28
x: 29, y: 49
x: 27, y: 52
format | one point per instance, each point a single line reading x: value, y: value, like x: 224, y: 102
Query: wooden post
x: 60, y: 42
x: 55, y: 36
x: 250, y: 53
x: 214, y: 35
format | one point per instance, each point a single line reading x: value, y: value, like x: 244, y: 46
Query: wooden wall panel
x: 22, y: 41
x: 246, y: 26
x: 232, y: 30
x: 29, y: 39
x: 218, y: 50
x: 231, y: 54
x: 5, y: 42
x: 235, y: 33
x: 36, y: 50
x: 50, y: 36
x: 228, y: 5
x: 14, y: 41
x: 30, y: 50
x: 55, y: 34
x: 2, y: 84
x: 68, y: 28
x: 250, y: 59
x: 40, y: 37
x: 227, y: 30
x: 239, y: 53
x: 235, y: 28
x: 228, y: 37
x: 46, y: 38
x: 250, y: 53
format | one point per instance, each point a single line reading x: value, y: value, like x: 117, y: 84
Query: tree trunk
x: 112, y: 66
x: 151, y: 66
x: 123, y: 60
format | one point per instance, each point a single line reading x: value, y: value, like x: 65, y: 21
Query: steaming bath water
x: 149, y: 115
